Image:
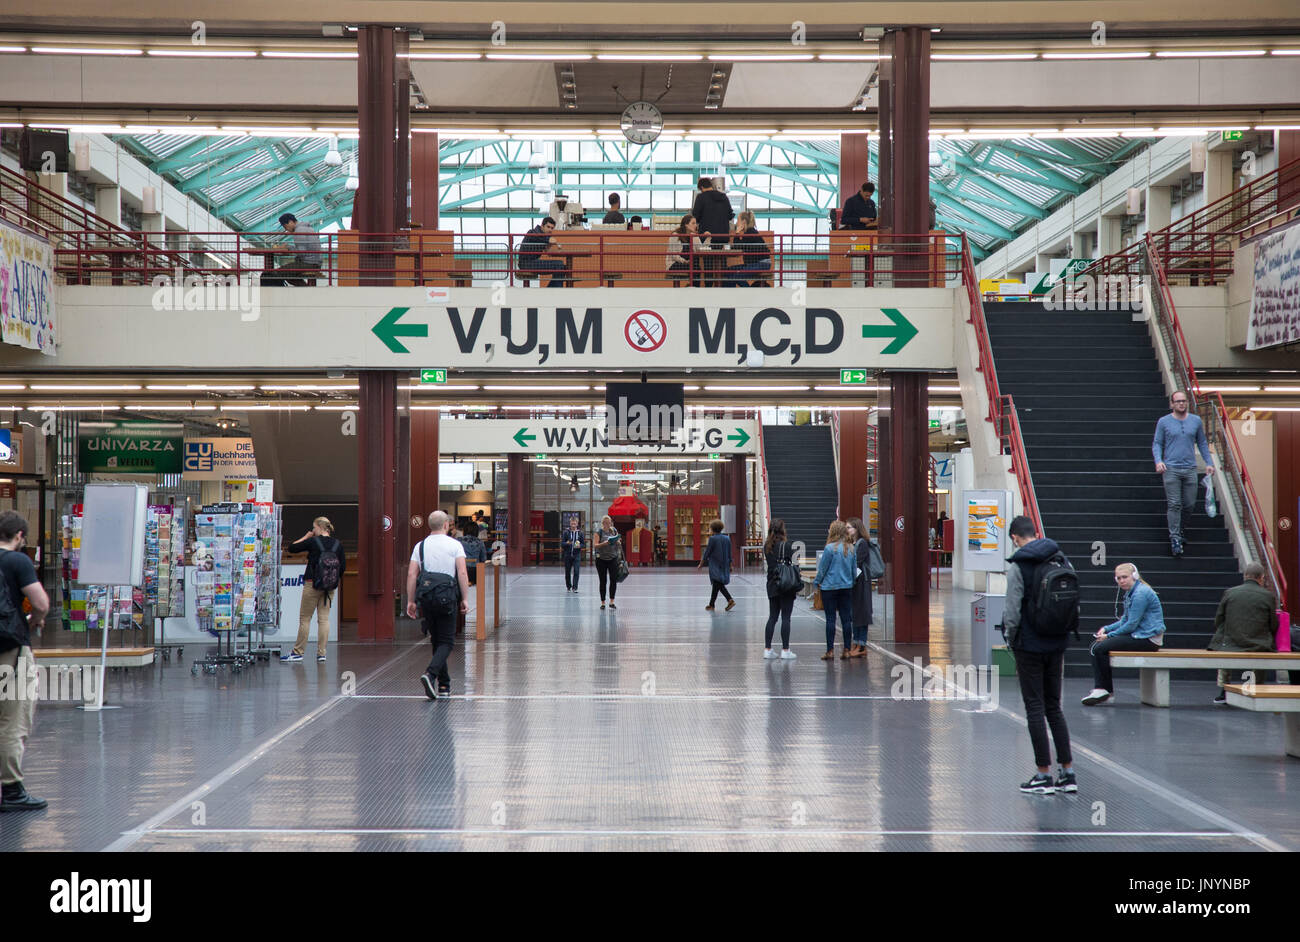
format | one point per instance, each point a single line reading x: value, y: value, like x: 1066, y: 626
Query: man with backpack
x: 1042, y: 608
x: 326, y: 564
x: 437, y: 590
x: 16, y: 661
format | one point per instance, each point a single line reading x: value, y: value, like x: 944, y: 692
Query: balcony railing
x: 582, y: 258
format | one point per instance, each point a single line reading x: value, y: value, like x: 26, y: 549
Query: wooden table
x: 567, y: 255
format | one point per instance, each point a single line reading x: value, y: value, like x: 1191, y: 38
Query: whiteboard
x: 112, y: 534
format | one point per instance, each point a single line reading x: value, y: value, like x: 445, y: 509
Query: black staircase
x: 801, y: 480
x: 1088, y: 393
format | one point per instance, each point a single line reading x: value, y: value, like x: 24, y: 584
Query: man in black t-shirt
x: 613, y: 217
x: 860, y: 209
x: 17, y: 666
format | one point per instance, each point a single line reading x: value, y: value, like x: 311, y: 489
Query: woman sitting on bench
x: 1141, y: 629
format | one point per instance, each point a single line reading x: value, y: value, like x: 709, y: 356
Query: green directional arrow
x: 902, y: 330
x: 521, y: 439
x: 388, y: 330
x: 740, y: 438
x: 433, y: 376
x: 853, y: 377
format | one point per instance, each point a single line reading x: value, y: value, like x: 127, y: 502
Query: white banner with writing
x: 26, y: 290
x: 1275, y: 297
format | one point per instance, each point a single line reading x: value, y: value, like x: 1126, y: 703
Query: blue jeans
x: 547, y: 264
x: 1180, y: 496
x: 733, y: 274
x: 838, y: 601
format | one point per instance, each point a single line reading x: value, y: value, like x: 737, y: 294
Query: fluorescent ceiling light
x: 1277, y: 127
x: 176, y: 130
x: 539, y: 56
x: 440, y: 55
x: 83, y: 387
x: 1208, y: 53
x: 981, y: 56
x: 1230, y: 389
x: 848, y: 389
x: 85, y: 51
x: 24, y: 49
x: 1272, y: 389
x: 259, y: 407
x: 277, y: 54
x: 1138, y: 132
x: 12, y: 386
x: 756, y: 388
x: 537, y: 389
x: 773, y: 57
x: 166, y: 408
x: 1275, y: 408
x: 1285, y: 52
x: 1096, y: 55
x: 848, y: 57
x: 308, y: 387
x: 199, y: 387
x: 338, y: 407
x: 100, y: 407
x: 438, y: 389
x: 542, y: 132
x: 204, y: 53
x: 633, y: 57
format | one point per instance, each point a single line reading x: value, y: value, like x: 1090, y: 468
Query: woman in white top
x: 609, y: 547
x: 684, y: 248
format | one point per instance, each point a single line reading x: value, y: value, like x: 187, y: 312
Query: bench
x: 1271, y: 698
x: 117, y: 657
x: 1154, y: 666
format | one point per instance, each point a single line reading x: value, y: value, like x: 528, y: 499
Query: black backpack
x: 436, y: 593
x: 475, y: 552
x: 328, y: 568
x: 1053, y: 598
x: 12, y: 624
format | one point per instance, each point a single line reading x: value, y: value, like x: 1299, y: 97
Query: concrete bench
x: 117, y: 657
x: 1154, y: 666
x: 1271, y: 698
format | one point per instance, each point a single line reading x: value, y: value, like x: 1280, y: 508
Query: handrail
x: 58, y: 205
x: 762, y: 463
x: 1002, y: 409
x: 1232, y: 471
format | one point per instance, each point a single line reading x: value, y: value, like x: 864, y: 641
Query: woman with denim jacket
x: 1141, y: 629
x: 835, y: 569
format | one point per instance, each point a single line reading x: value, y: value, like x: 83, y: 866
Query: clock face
x: 642, y: 122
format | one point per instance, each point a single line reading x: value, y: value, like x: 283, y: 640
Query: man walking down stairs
x: 1088, y: 393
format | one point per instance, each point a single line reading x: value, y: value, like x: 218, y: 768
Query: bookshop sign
x: 130, y: 447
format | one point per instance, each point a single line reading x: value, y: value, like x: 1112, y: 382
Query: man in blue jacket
x: 1040, y: 661
x: 1141, y: 629
x: 1178, y: 436
x: 571, y: 544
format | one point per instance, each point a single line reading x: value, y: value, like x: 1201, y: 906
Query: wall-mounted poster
x: 1275, y: 295
x: 26, y: 290
x: 982, y: 529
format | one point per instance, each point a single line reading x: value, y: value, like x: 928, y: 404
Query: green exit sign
x: 540, y: 457
x: 1232, y: 135
x: 934, y: 423
x: 715, y: 456
x: 853, y: 377
x: 433, y: 377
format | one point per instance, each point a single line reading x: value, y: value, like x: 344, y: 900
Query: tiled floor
x: 656, y: 726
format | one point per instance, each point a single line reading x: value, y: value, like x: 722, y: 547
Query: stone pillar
x: 108, y: 203
x: 1159, y: 208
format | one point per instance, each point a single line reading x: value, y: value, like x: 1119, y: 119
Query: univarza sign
x: 129, y: 447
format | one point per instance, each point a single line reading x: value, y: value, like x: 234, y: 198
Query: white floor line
x: 793, y: 831
x: 128, y: 838
x: 1164, y: 793
x: 760, y: 697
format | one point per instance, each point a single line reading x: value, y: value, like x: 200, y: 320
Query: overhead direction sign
x: 853, y: 377
x: 433, y: 377
x: 701, y: 438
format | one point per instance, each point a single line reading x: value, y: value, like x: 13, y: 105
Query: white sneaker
x: 1097, y: 696
x: 788, y: 655
x: 768, y: 654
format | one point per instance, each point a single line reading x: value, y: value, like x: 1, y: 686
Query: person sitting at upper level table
x: 534, y: 245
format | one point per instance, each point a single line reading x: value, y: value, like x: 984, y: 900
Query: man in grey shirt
x: 303, y: 267
x: 1178, y: 436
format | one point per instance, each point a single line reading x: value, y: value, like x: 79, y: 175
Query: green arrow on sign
x: 521, y: 439
x: 740, y: 438
x: 433, y: 376
x: 388, y: 330
x: 853, y: 377
x: 1232, y: 135
x: 902, y: 330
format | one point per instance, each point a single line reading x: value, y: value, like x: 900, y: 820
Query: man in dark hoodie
x: 1040, y: 661
x: 713, y: 213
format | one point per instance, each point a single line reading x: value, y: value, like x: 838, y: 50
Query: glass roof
x: 991, y: 189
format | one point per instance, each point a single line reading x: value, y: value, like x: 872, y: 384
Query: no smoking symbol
x: 645, y: 331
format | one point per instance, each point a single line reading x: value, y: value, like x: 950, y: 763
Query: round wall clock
x: 642, y: 122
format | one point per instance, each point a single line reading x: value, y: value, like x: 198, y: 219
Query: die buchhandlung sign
x: 26, y: 290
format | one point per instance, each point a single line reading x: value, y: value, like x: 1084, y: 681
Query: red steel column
x: 909, y: 520
x: 377, y: 510
x: 735, y: 491
x: 519, y: 508
x: 853, y: 465
x: 855, y: 165
x: 424, y: 180
x: 1288, y: 149
x: 424, y: 473
x: 910, y: 117
x: 375, y: 206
